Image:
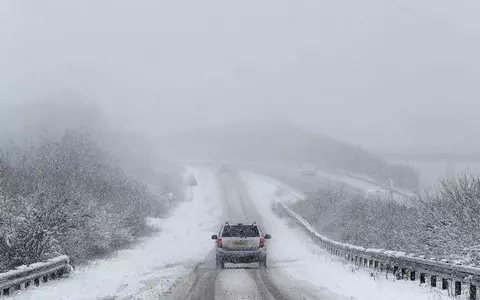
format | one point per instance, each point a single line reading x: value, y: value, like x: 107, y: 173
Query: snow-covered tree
x: 66, y: 197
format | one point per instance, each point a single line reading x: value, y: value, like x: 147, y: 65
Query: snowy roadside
x: 149, y: 269
x: 294, y: 255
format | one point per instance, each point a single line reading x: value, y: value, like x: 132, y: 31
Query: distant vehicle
x: 241, y: 243
x: 308, y: 169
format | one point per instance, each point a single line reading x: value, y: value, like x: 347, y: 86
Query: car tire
x: 220, y: 264
x: 262, y: 262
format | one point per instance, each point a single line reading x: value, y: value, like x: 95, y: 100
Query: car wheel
x: 220, y: 263
x: 262, y: 262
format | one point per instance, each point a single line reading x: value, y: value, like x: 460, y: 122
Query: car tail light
x: 262, y: 241
x: 219, y: 243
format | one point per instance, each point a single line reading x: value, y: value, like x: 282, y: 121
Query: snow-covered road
x: 295, y: 256
x: 323, y: 178
x: 235, y: 281
x: 179, y: 262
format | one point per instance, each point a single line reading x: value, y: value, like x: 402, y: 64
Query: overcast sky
x: 383, y: 74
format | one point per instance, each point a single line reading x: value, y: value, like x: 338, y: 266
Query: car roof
x: 241, y: 224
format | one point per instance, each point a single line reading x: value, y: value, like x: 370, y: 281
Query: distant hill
x: 432, y: 156
x: 285, y: 143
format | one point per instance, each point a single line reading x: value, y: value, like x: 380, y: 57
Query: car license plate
x: 240, y: 243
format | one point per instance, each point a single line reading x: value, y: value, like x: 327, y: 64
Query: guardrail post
x: 433, y: 281
x: 412, y: 275
x: 61, y: 272
x: 422, y: 278
x: 444, y: 284
x: 458, y: 288
x: 395, y: 271
x: 473, y: 292
x: 53, y: 276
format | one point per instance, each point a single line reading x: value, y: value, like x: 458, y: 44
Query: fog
x: 385, y: 75
x: 132, y: 130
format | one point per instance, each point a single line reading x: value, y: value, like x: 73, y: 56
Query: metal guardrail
x: 24, y: 276
x: 464, y: 279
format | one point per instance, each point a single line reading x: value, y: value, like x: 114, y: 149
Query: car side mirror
x: 267, y: 236
x: 214, y: 237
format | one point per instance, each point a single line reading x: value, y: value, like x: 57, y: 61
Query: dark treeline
x: 66, y: 196
x: 445, y: 224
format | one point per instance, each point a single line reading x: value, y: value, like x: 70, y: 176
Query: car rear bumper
x: 240, y: 256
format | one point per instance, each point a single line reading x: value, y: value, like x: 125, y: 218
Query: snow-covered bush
x: 445, y: 224
x: 451, y: 219
x: 67, y: 197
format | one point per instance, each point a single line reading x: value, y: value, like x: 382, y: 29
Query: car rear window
x: 240, y: 231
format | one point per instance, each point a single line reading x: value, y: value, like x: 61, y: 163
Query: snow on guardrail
x: 463, y: 279
x: 24, y: 276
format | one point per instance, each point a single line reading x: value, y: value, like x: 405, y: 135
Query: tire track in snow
x: 199, y: 284
x: 264, y: 285
x: 289, y: 290
x: 238, y: 283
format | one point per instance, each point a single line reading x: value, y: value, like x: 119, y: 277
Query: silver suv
x: 241, y: 243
